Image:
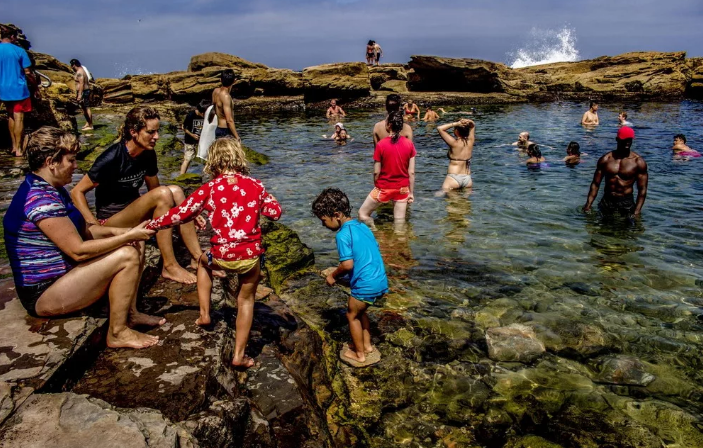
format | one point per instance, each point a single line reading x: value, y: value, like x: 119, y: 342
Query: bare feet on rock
x: 129, y: 338
x: 366, y: 350
x: 244, y: 363
x: 178, y: 274
x: 351, y: 354
x: 145, y: 319
x: 203, y: 320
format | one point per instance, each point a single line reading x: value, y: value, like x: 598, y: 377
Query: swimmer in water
x: 590, y: 117
x: 461, y: 147
x: 393, y: 103
x: 335, y: 111
x: 523, y: 141
x: 338, y: 128
x: 342, y: 138
x: 411, y: 110
x: 622, y: 119
x: 430, y: 115
x: 573, y: 154
x: 681, y: 149
x: 536, y: 157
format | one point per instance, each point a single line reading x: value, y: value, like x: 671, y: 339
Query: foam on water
x: 547, y: 46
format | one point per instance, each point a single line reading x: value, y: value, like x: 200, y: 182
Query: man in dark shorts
x: 622, y: 168
x: 14, y: 91
x: 118, y: 174
x: 222, y: 99
x: 82, y: 92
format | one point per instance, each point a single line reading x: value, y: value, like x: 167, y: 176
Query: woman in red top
x: 234, y: 202
x: 393, y: 172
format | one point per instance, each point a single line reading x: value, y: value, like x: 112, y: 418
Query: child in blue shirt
x: 359, y: 255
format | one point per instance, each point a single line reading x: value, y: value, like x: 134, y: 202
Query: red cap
x: 625, y: 132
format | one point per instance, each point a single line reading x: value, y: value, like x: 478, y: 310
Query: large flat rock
x: 68, y: 420
x: 173, y: 377
x: 33, y: 351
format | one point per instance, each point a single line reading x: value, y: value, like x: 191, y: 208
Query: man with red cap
x: 622, y: 168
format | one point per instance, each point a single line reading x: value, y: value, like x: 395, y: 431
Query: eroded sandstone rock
x: 339, y: 80
x: 68, y: 420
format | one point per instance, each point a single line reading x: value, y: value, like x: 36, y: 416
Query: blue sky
x: 118, y: 37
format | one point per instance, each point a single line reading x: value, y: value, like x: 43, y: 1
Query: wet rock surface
x: 69, y: 420
x: 40, y: 354
x: 513, y: 343
x: 173, y: 377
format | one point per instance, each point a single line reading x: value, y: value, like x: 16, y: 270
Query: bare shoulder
x: 607, y: 157
x: 639, y: 160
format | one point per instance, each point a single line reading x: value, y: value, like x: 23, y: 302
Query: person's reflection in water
x: 394, y: 241
x: 613, y: 237
x: 458, y: 215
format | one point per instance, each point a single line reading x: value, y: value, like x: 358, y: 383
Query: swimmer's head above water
x: 573, y: 149
x: 393, y: 102
x: 534, y: 151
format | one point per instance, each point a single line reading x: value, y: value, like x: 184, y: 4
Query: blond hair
x: 49, y: 142
x: 226, y: 154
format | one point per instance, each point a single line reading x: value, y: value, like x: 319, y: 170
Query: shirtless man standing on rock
x: 379, y: 130
x: 590, y: 117
x: 82, y: 93
x: 222, y: 100
x: 622, y: 169
x: 117, y: 175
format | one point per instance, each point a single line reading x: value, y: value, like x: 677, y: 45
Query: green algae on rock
x: 285, y: 255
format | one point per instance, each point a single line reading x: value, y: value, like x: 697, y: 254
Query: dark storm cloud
x: 118, y: 37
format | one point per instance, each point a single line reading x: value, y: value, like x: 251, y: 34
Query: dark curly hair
x: 330, y: 201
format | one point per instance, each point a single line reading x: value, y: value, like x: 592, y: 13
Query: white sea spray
x: 545, y: 47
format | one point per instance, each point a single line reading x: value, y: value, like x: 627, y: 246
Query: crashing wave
x: 547, y: 46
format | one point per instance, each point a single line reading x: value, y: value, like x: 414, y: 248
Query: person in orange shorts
x: 14, y: 91
x: 393, y: 172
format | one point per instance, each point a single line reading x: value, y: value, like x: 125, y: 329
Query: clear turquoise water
x: 515, y: 222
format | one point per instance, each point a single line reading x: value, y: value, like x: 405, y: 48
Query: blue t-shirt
x: 368, y: 277
x: 34, y: 258
x: 13, y: 61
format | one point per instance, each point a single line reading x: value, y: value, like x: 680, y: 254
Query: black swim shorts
x: 222, y: 132
x: 625, y: 205
x: 29, y: 295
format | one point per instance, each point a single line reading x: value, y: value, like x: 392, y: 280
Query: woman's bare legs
x: 188, y: 233
x: 83, y: 285
x: 152, y: 205
x: 399, y: 211
x: 245, y: 315
x: 369, y: 205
